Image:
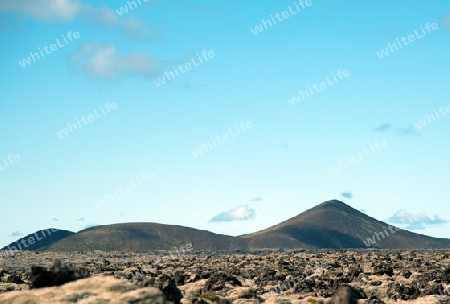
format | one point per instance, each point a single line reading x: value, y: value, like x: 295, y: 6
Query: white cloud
x: 280, y: 145
x: 136, y: 29
x: 131, y: 27
x: 347, y: 195
x: 383, y: 128
x: 241, y: 213
x: 415, y: 221
x: 406, y: 131
x: 102, y: 16
x: 256, y: 199
x: 103, y: 61
x: 16, y: 234
x: 446, y: 21
x: 68, y: 10
x: 43, y: 10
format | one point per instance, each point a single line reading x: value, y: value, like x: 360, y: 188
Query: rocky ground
x: 212, y: 277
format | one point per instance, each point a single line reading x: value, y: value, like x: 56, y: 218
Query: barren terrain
x: 239, y: 277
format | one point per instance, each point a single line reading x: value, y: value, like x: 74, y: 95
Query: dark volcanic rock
x: 345, y: 295
x: 445, y: 276
x: 56, y: 276
x: 171, y: 291
x: 433, y: 289
x: 398, y: 291
x: 217, y: 282
x: 406, y: 273
x: 14, y: 278
x: 179, y: 278
x: 383, y: 269
x: 251, y: 277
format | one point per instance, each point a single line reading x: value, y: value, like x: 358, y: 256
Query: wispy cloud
x: 97, y: 60
x: 410, y: 130
x: 382, y: 128
x: 130, y: 27
x: 347, y: 194
x: 69, y: 10
x: 16, y: 234
x: 55, y: 219
x: 279, y: 146
x: 256, y: 199
x: 102, y: 16
x: 81, y: 219
x: 241, y: 213
x: 445, y: 20
x: 417, y: 221
x: 136, y: 29
x: 43, y: 10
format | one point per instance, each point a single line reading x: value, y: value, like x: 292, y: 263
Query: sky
x: 227, y: 116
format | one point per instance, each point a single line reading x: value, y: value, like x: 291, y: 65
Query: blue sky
x: 266, y: 173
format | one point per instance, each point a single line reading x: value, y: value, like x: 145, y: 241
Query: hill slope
x: 39, y: 240
x: 336, y: 225
x: 330, y: 225
x: 146, y: 236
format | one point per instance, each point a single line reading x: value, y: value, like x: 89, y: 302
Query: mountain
x: 146, y: 236
x: 330, y: 225
x: 335, y: 225
x: 39, y: 240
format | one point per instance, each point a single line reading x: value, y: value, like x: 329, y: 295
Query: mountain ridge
x: 336, y: 225
x: 39, y: 240
x: 329, y: 225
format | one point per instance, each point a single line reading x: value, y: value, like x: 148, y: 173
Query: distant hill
x: 39, y: 240
x: 335, y: 225
x: 330, y: 225
x: 146, y: 236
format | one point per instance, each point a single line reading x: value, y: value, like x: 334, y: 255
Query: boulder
x: 99, y: 289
